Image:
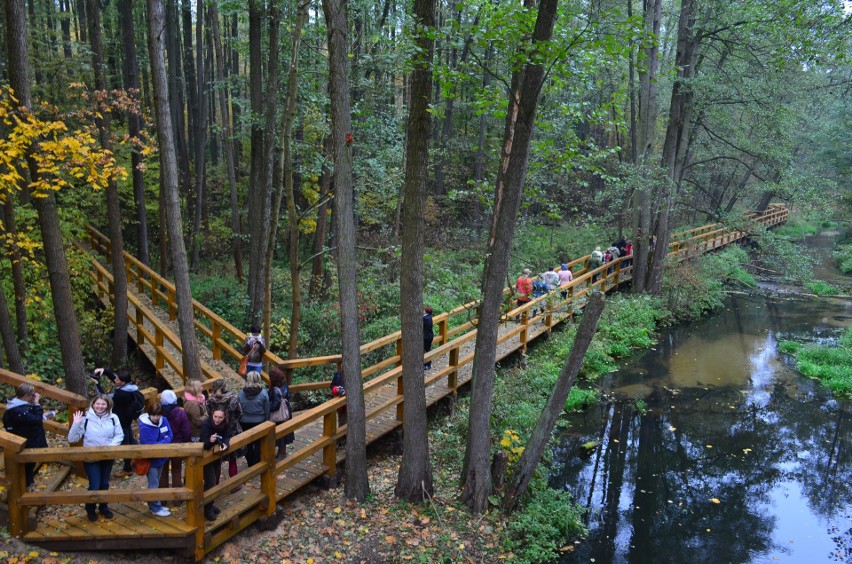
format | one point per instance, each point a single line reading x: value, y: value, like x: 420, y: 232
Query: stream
x: 734, y: 455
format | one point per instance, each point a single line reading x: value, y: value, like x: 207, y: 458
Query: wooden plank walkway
x: 315, y: 452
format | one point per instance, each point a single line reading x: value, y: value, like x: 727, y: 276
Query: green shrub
x: 843, y: 258
x: 822, y: 288
x: 546, y: 521
x: 580, y: 398
x: 831, y: 365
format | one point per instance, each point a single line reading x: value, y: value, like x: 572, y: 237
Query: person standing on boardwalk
x: 128, y: 402
x: 254, y: 348
x: 428, y: 334
x: 595, y: 261
x: 255, y: 404
x: 222, y: 398
x: 99, y: 427
x: 524, y: 287
x: 279, y: 391
x: 215, y: 436
x: 195, y: 407
x: 181, y: 433
x: 25, y: 417
x: 565, y: 276
x: 154, y: 429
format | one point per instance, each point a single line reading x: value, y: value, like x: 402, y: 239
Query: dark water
x: 738, y: 457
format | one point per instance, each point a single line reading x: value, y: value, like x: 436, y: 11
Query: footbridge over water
x: 152, y: 310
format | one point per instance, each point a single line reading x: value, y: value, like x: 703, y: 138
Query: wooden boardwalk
x: 315, y: 452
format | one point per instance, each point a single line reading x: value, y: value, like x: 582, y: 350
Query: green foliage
x: 822, y: 288
x: 537, y: 531
x: 843, y: 257
x: 830, y: 364
x: 641, y: 405
x: 628, y: 323
x: 580, y: 398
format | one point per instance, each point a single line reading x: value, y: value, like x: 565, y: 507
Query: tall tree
x: 130, y: 73
x: 18, y: 67
x: 169, y: 184
x: 527, y: 80
x: 357, y: 485
x: 200, y: 130
x: 414, y: 482
x: 119, y: 273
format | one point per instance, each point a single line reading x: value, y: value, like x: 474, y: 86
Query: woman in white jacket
x: 98, y: 427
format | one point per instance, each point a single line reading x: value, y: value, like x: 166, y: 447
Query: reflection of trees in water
x: 651, y: 482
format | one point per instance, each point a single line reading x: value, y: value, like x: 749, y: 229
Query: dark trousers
x: 211, y: 477
x: 129, y: 439
x: 252, y: 449
x: 175, y: 467
x: 427, y: 346
x: 29, y: 472
x: 98, y: 474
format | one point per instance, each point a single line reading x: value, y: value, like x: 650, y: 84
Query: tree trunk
x: 17, y: 62
x: 286, y: 172
x: 227, y: 143
x: 65, y: 24
x: 168, y: 172
x: 357, y: 485
x: 414, y: 482
x: 130, y: 71
x: 520, y: 121
x: 200, y: 130
x: 18, y: 284
x: 525, y: 468
x: 104, y: 124
x: 317, y: 285
x: 7, y: 334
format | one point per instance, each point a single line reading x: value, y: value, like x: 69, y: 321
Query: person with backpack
x: 154, y: 429
x: 524, y: 287
x: 539, y: 289
x: 254, y: 349
x: 25, y: 417
x: 279, y: 406
x: 99, y: 427
x: 181, y: 433
x: 255, y: 404
x: 128, y: 405
x: 595, y: 261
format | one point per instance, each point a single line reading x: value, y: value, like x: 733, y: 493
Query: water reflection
x: 737, y: 459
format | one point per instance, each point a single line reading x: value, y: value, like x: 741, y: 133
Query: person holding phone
x: 216, y: 437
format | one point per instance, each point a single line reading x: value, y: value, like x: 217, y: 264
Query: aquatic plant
x: 830, y: 364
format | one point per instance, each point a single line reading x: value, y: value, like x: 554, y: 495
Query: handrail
x: 71, y: 400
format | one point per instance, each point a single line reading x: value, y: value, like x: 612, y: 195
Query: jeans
x: 154, y: 483
x: 252, y: 367
x: 98, y: 475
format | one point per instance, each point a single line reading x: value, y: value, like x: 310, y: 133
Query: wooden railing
x: 71, y: 401
x: 383, y: 392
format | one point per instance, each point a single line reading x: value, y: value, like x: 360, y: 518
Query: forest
x: 326, y: 169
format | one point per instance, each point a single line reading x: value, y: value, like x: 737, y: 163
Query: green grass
x: 822, y: 288
x: 831, y: 365
x: 843, y: 257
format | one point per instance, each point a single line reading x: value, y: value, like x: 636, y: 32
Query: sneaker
x: 162, y: 512
x: 107, y: 513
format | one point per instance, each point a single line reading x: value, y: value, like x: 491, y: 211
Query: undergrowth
x: 830, y: 364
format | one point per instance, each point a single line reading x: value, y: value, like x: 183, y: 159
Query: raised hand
x: 77, y: 417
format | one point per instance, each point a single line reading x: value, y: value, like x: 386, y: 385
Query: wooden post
x: 399, y: 351
x: 159, y: 361
x: 443, y: 329
x: 329, y: 451
x: 523, y: 335
x: 140, y: 323
x: 194, y: 511
x: 172, y: 305
x: 268, y: 484
x: 618, y: 272
x: 140, y: 284
x: 453, y: 376
x: 217, y: 336
x: 17, y: 484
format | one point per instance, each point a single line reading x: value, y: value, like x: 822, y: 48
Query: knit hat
x: 168, y: 397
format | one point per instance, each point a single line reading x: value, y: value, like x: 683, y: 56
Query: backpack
x: 137, y: 406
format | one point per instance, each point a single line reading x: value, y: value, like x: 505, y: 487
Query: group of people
x: 529, y: 287
x: 211, y: 420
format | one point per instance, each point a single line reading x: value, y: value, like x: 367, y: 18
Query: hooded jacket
x: 122, y: 403
x: 97, y: 431
x: 255, y: 404
x: 26, y: 420
x: 196, y: 412
x: 153, y: 434
x: 179, y: 423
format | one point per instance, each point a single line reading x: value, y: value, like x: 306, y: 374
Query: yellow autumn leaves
x: 511, y: 444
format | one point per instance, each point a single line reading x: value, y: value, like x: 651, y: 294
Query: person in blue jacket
x: 154, y: 430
